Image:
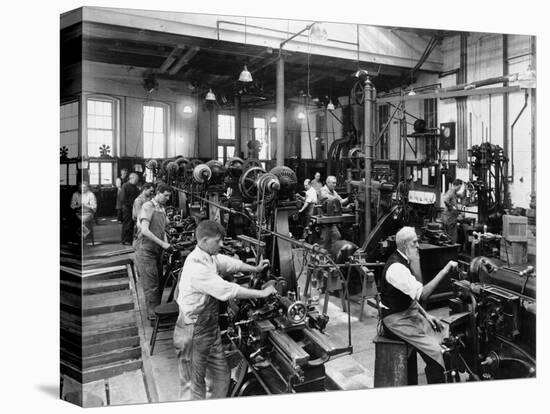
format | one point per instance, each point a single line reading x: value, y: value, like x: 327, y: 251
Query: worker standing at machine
x: 449, y: 217
x: 309, y: 203
x: 147, y: 191
x: 197, y: 335
x: 316, y: 183
x: 328, y: 191
x: 128, y: 194
x: 119, y: 182
x: 401, y: 313
x: 149, y: 245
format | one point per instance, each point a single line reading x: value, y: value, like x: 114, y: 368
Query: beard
x: 414, y: 257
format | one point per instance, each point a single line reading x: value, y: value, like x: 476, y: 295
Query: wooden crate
x: 513, y: 253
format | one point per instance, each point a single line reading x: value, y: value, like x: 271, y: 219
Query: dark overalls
x: 149, y: 259
x: 199, y: 349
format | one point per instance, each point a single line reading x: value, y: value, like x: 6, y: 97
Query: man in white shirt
x: 309, y: 203
x: 84, y: 205
x: 197, y: 334
x: 402, y: 315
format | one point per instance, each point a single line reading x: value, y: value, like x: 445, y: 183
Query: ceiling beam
x: 184, y: 60
x: 171, y: 58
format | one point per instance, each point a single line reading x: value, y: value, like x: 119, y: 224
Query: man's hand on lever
x: 451, y: 266
x: 262, y: 265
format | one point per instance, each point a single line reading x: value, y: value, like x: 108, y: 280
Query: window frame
x: 115, y: 115
x: 165, y: 122
x: 267, y: 133
x: 101, y: 161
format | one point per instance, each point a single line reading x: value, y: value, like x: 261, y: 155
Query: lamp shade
x: 301, y: 115
x: 187, y: 109
x: 411, y: 92
x: 318, y: 32
x: 245, y: 75
x: 210, y: 96
x: 273, y: 119
x: 330, y: 106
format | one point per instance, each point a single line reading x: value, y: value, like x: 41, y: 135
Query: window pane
x: 220, y: 153
x: 69, y: 128
x: 230, y: 151
x: 153, y: 131
x: 63, y: 179
x: 94, y: 173
x: 100, y: 126
x: 70, y: 140
x: 226, y: 127
x: 260, y: 128
x: 106, y: 173
x: 72, y: 174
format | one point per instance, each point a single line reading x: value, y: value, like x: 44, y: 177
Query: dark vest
x: 392, y: 297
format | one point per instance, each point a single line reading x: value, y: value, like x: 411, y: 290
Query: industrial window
x: 101, y: 124
x: 154, y: 131
x: 226, y: 127
x: 383, y: 116
x: 68, y: 126
x: 67, y: 174
x: 225, y: 152
x: 101, y: 173
x: 261, y: 133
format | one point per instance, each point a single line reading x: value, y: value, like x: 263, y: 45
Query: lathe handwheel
x: 296, y: 312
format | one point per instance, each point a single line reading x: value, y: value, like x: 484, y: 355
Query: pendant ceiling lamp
x: 245, y: 75
x: 210, y: 96
x: 318, y: 32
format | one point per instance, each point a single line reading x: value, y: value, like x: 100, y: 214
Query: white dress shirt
x: 200, y: 277
x: 311, y: 196
x: 400, y: 277
x: 84, y: 201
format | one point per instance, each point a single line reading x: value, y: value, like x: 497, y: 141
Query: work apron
x: 149, y: 261
x: 411, y: 326
x: 200, y: 351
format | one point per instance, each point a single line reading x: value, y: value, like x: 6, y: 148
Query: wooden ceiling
x: 209, y: 63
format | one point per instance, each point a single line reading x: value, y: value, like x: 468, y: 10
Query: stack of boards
x: 99, y: 333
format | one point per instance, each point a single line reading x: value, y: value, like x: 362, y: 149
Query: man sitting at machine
x: 401, y: 313
x: 84, y: 206
x: 197, y: 335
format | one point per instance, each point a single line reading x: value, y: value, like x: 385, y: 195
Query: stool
x: 394, y: 363
x: 166, y: 315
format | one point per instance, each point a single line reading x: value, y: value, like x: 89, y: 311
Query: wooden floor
x: 157, y: 379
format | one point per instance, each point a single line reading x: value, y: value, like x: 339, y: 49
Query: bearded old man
x: 402, y: 314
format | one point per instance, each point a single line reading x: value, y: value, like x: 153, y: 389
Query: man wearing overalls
x: 197, y: 335
x: 149, y: 245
